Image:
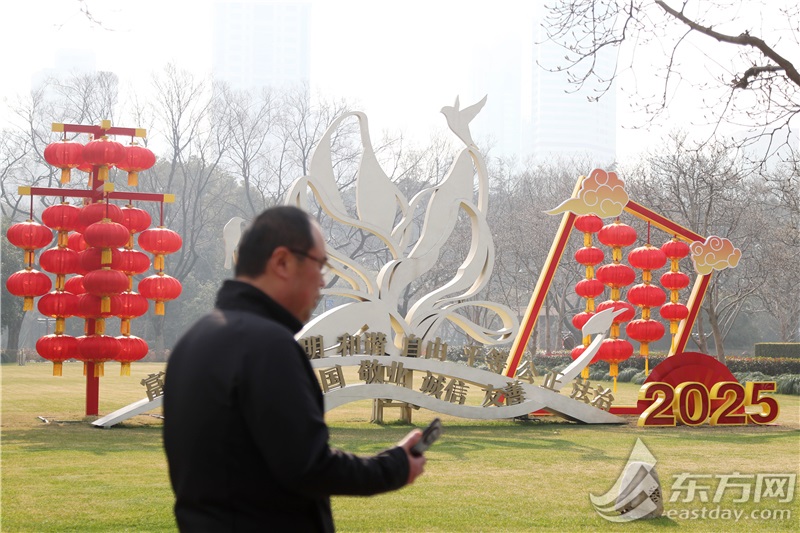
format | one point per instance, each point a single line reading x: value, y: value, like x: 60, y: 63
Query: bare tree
x: 750, y: 78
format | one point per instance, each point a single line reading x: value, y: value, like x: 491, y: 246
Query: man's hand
x: 416, y: 464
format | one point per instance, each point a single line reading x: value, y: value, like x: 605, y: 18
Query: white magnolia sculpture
x: 379, y: 204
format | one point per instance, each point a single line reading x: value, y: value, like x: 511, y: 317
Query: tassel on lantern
x: 99, y: 370
x: 65, y: 175
x: 125, y: 369
x: 159, y: 307
x: 57, y: 369
x: 133, y: 181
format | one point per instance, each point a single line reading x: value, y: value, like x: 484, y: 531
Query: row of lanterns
x: 102, y: 153
x: 95, y: 242
x: 616, y: 275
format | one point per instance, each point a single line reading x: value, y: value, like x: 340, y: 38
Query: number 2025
x: 690, y: 403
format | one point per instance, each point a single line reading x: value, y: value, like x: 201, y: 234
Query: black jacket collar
x: 241, y: 296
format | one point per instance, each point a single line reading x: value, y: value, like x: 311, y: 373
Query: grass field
x: 65, y: 475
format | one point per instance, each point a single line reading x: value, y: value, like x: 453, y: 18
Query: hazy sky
x: 401, y: 60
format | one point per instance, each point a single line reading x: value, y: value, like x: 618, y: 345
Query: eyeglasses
x: 324, y: 266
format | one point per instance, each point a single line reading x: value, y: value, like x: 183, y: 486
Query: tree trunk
x: 713, y: 320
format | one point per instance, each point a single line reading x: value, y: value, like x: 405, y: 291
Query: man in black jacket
x: 244, y: 429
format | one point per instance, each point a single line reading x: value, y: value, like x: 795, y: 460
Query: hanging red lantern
x: 28, y: 284
x: 614, y: 351
x: 103, y: 153
x: 673, y: 311
x: 589, y: 256
x: 74, y: 285
x: 617, y: 235
x: 96, y: 212
x: 617, y: 305
x: 674, y: 281
x: 75, y: 241
x: 132, y: 262
x: 92, y: 259
x: 644, y: 295
x: 57, y: 348
x: 136, y: 158
x: 581, y: 319
x: 160, y: 241
x: 647, y: 257
x: 588, y: 223
x: 131, y: 349
x: 63, y: 218
x: 105, y: 283
x: 160, y: 288
x: 65, y: 155
x: 98, y: 349
x: 29, y: 236
x: 58, y: 305
x: 589, y: 288
x: 645, y: 331
x: 106, y: 235
x: 59, y: 261
x: 135, y: 220
x: 616, y: 275
x: 90, y: 307
x: 126, y: 306
x: 675, y: 249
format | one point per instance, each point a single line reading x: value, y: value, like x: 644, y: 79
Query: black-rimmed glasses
x: 324, y: 266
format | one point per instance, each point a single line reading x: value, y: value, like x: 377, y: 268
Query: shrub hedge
x: 778, y: 349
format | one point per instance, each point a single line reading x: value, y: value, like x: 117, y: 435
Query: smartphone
x: 429, y: 436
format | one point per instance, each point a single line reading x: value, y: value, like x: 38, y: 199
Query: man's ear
x: 279, y: 263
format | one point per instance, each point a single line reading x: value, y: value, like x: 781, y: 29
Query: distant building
x: 534, y: 112
x: 258, y: 43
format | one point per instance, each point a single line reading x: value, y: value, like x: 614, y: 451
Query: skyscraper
x: 260, y: 42
x: 532, y: 111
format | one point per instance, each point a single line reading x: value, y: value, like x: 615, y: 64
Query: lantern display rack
x: 95, y: 247
x: 616, y: 276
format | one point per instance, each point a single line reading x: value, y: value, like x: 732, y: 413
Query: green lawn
x: 481, y: 476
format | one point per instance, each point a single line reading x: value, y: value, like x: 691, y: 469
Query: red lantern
x: 103, y: 153
x: 92, y: 259
x: 91, y: 307
x: 161, y: 288
x: 675, y: 249
x: 63, y: 218
x: 581, y: 319
x: 106, y: 235
x: 76, y: 242
x: 589, y: 256
x: 131, y: 349
x: 614, y: 351
x: 645, y: 331
x: 135, y: 220
x: 65, y: 155
x: 132, y: 262
x: 28, y: 284
x: 160, y: 241
x: 98, y: 349
x: 647, y: 257
x: 96, y: 212
x: 616, y: 305
x: 617, y: 235
x: 643, y: 295
x: 136, y: 158
x: 616, y: 275
x: 126, y: 306
x: 588, y: 223
x: 674, y: 312
x: 75, y: 286
x: 59, y: 261
x: 589, y: 288
x: 29, y: 236
x: 57, y: 348
x: 58, y: 305
x: 105, y: 283
x: 674, y: 281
